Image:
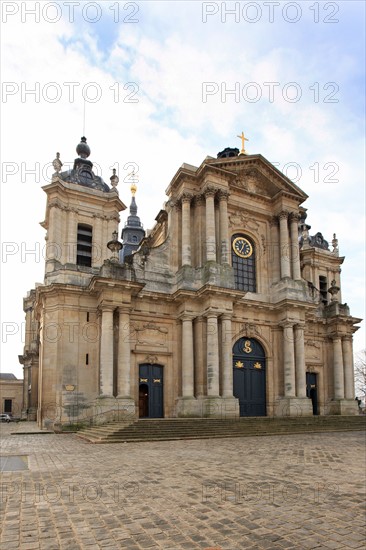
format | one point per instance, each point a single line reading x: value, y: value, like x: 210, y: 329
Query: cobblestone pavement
x: 293, y: 491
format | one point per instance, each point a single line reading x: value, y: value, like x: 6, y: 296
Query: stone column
x: 284, y: 246
x: 106, y: 352
x: 347, y: 349
x: 227, y: 353
x: 274, y: 253
x: 124, y: 354
x: 295, y: 249
x: 199, y: 238
x: 186, y: 229
x: 213, y: 384
x: 198, y: 355
x: 224, y: 226
x: 338, y: 368
x: 187, y: 357
x: 289, y: 359
x: 300, y: 361
x: 210, y: 225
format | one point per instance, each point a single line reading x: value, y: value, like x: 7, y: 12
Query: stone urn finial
x: 114, y: 179
x: 57, y: 164
x: 114, y: 246
x: 333, y: 290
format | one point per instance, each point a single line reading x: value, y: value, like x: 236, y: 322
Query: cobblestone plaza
x: 293, y: 491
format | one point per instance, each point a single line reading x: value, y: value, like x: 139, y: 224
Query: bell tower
x: 133, y: 231
x: 82, y: 213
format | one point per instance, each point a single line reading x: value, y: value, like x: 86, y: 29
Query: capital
x: 210, y: 191
x: 124, y: 309
x: 286, y: 324
x: 106, y: 307
x: 199, y: 200
x: 187, y: 317
x: 226, y: 317
x: 223, y: 195
x: 283, y: 215
x: 186, y: 198
x: 295, y: 217
x: 209, y: 314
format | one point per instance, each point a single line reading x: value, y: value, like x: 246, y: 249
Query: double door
x: 151, y: 402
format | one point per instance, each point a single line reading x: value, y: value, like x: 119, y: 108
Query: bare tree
x: 360, y: 376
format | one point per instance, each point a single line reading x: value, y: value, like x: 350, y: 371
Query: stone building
x: 11, y: 394
x: 226, y: 307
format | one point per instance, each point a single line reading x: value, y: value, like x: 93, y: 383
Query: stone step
x: 175, y: 429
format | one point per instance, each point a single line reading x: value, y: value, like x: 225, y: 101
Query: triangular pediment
x: 256, y: 175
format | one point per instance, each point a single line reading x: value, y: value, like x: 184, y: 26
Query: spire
x: 133, y: 231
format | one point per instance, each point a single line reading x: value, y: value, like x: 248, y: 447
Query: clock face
x: 242, y: 247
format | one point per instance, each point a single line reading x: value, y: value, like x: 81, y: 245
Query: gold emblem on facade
x: 239, y: 365
x: 257, y: 365
x: 247, y: 347
x: 157, y: 380
x: 143, y: 379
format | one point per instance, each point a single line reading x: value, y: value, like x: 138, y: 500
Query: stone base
x: 293, y: 406
x: 346, y: 407
x: 113, y: 409
x: 29, y: 414
x: 207, y: 407
x: 187, y: 407
x: 126, y: 408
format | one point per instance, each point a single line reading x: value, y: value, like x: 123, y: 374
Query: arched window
x: 84, y: 245
x: 243, y: 262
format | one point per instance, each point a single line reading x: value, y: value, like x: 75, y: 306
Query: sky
x: 154, y: 84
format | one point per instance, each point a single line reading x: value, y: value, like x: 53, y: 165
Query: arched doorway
x: 151, y: 391
x: 249, y: 377
x: 143, y: 400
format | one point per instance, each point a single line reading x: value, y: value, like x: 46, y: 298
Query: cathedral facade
x: 227, y: 307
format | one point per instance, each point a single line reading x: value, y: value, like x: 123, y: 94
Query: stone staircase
x: 166, y: 429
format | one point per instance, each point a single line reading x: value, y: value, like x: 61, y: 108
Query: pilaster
x: 284, y: 245
x: 224, y: 226
x: 186, y: 229
x: 106, y: 352
x: 295, y: 249
x: 210, y: 224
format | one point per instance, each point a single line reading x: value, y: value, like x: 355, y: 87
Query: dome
x: 83, y: 149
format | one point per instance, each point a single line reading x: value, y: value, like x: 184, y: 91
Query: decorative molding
x: 150, y: 334
x: 312, y: 349
x: 238, y: 219
x: 151, y: 359
x: 273, y: 221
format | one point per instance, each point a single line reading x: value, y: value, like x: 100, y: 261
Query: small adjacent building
x: 11, y: 394
x: 228, y: 306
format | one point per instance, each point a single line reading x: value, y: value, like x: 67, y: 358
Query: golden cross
x: 243, y: 139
